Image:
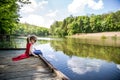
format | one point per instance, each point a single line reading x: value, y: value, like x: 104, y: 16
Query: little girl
x: 30, y: 49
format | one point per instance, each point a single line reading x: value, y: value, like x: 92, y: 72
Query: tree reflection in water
x: 74, y: 47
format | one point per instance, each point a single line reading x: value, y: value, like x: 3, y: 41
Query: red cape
x: 24, y: 55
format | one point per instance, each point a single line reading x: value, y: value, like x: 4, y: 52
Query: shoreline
x: 103, y: 38
x: 101, y: 35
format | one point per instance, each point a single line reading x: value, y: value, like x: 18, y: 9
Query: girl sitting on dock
x: 30, y: 49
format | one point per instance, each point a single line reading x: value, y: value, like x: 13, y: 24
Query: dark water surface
x: 81, y: 60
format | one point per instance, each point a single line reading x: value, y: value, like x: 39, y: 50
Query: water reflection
x: 51, y: 57
x: 83, y: 61
x: 8, y: 44
x: 74, y: 47
x: 20, y: 43
x: 118, y: 66
x: 84, y: 65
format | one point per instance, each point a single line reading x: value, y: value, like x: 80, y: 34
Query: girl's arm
x: 32, y: 50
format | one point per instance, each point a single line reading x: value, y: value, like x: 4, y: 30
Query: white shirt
x: 32, y: 49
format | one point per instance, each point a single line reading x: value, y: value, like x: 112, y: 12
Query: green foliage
x: 114, y: 37
x: 9, y: 15
x: 103, y: 37
x: 86, y: 24
x: 27, y: 29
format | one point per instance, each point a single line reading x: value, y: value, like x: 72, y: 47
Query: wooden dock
x: 27, y: 69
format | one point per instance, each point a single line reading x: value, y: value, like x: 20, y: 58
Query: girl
x: 33, y: 39
x: 30, y: 50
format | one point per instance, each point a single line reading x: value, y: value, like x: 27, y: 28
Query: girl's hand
x: 35, y: 55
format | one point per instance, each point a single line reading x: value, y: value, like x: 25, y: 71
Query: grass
x: 114, y: 37
x: 103, y: 37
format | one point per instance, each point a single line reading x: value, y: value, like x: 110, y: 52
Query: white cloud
x: 42, y: 4
x: 79, y: 5
x: 51, y: 57
x: 37, y: 20
x: 94, y: 5
x: 118, y: 66
x: 48, y: 22
x: 33, y: 19
x: 52, y: 13
x: 51, y: 16
x: 33, y: 6
x: 30, y: 15
x: 83, y: 65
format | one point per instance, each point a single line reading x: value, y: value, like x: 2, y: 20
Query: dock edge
x: 55, y: 70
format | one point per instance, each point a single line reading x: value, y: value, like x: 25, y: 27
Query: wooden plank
x: 12, y: 48
x: 59, y: 74
x: 27, y: 69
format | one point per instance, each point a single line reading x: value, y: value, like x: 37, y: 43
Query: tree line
x: 86, y: 24
x: 27, y: 29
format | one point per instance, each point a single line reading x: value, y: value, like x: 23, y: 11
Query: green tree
x: 72, y: 28
x: 27, y: 29
x: 9, y: 16
x: 80, y: 24
x: 86, y: 24
x: 64, y: 28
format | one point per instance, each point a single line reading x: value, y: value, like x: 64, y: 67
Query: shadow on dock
x: 27, y: 69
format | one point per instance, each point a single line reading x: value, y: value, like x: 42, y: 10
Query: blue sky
x: 45, y: 12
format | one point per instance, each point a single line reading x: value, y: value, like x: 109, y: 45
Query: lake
x: 80, y: 59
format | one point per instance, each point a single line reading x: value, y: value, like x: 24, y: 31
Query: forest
x: 86, y: 24
x: 9, y: 20
x: 25, y: 29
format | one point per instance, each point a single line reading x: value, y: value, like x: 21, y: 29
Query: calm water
x: 81, y: 60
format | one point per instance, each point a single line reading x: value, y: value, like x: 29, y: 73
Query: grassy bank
x: 102, y: 35
x: 104, y: 38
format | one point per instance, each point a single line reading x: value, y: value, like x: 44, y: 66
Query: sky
x: 44, y: 12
